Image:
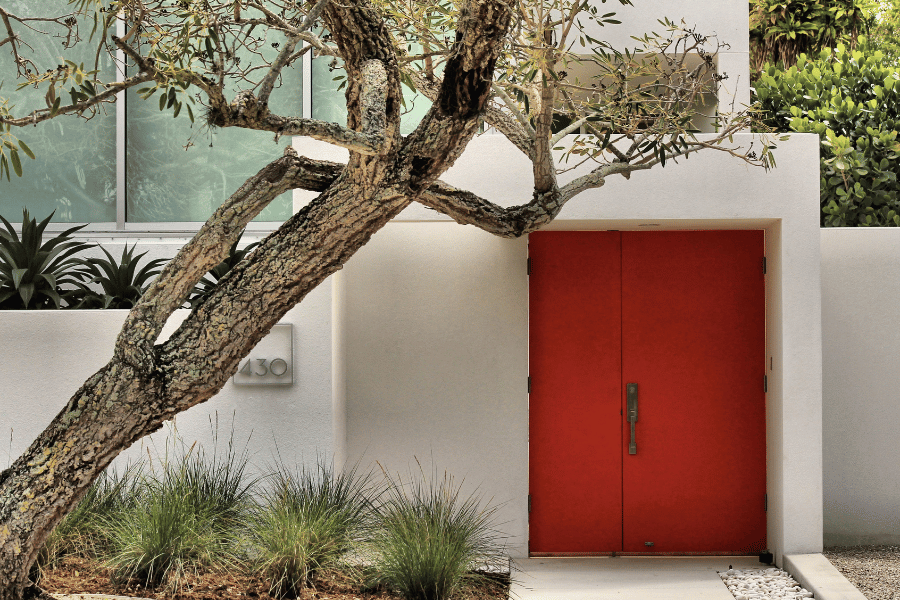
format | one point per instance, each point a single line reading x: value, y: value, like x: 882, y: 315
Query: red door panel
x: 682, y: 315
x: 575, y: 467
x: 693, y: 339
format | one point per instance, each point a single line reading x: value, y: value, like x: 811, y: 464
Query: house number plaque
x: 271, y: 362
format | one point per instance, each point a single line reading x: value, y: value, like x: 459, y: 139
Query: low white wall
x: 49, y: 354
x: 861, y: 385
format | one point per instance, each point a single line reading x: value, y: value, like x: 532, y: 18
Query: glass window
x: 175, y: 171
x: 178, y: 171
x: 75, y: 169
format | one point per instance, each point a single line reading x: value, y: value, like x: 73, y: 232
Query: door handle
x: 631, y: 396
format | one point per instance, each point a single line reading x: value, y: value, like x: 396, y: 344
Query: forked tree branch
x: 208, y: 247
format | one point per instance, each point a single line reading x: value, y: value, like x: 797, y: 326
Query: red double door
x: 680, y: 314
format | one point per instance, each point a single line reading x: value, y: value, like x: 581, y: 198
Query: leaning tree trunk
x: 123, y: 402
x: 145, y: 384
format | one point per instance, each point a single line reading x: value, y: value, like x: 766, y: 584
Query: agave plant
x: 209, y: 282
x: 34, y: 275
x: 121, y: 282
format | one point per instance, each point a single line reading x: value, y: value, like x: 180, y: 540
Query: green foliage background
x: 782, y: 30
x: 851, y: 99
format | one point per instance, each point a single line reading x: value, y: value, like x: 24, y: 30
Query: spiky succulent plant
x: 121, y: 282
x: 35, y: 274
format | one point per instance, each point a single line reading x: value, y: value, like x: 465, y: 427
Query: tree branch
x: 212, y: 91
x: 208, y: 247
x: 285, y: 54
x: 367, y: 144
x: 45, y: 114
x: 513, y: 108
x: 498, y: 119
x: 11, y: 38
x: 470, y: 209
x: 373, y: 100
x: 268, y: 83
x: 322, y: 49
x: 544, y: 167
x: 467, y: 208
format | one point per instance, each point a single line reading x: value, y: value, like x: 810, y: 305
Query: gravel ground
x: 874, y: 570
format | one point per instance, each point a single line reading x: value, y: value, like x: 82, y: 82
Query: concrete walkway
x: 626, y: 578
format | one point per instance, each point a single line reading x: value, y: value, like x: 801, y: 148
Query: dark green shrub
x: 851, y: 99
x: 782, y: 30
x: 121, y: 282
x: 431, y: 542
x: 35, y: 274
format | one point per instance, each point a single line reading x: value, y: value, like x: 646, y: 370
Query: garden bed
x: 195, y: 524
x: 73, y: 576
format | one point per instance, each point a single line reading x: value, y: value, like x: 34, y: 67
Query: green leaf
x: 16, y: 162
x: 53, y: 296
x: 55, y: 108
x: 26, y: 291
x: 17, y: 275
x: 26, y: 149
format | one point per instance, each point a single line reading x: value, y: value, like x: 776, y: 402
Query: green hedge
x: 851, y: 99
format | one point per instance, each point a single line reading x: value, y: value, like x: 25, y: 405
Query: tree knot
x: 245, y: 106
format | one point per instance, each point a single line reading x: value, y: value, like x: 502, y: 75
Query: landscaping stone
x: 763, y: 584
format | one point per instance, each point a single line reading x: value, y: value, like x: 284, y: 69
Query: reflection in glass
x: 176, y: 171
x: 75, y: 169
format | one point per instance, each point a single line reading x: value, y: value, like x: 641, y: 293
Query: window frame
x: 121, y: 227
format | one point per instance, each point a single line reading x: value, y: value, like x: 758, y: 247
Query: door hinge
x: 764, y: 265
x: 529, y: 385
x: 529, y: 502
x: 528, y: 267
x: 765, y: 384
x: 765, y: 503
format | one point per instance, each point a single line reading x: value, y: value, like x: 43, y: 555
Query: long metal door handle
x: 631, y: 396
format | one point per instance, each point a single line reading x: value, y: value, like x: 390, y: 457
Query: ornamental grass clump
x: 431, y: 542
x: 84, y: 531
x: 187, y: 516
x: 306, y: 524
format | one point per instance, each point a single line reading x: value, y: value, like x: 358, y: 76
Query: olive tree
x: 497, y: 63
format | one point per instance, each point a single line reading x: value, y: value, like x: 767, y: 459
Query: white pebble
x: 763, y: 584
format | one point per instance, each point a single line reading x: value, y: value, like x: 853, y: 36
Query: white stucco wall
x: 49, y: 354
x: 725, y: 19
x: 419, y: 333
x: 861, y: 385
x: 436, y: 354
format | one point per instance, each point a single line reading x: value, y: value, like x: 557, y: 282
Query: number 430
x: 277, y: 367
